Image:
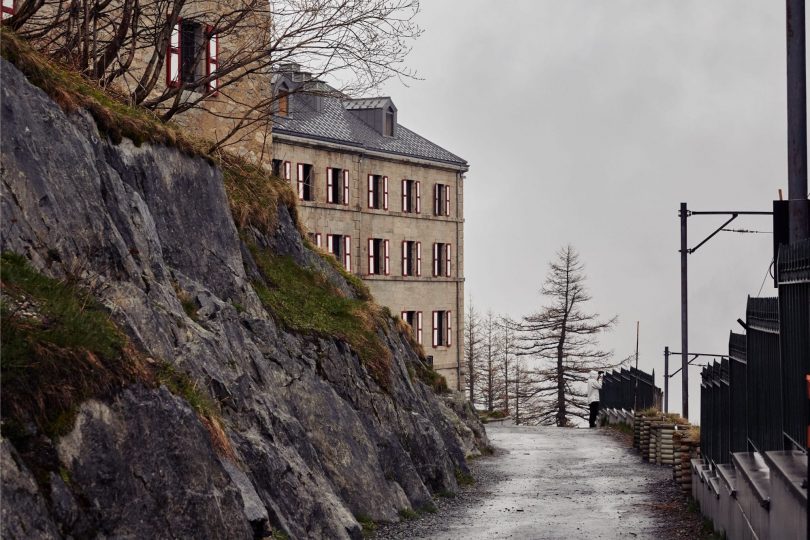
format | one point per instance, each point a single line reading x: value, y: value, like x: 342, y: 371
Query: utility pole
x: 684, y: 317
x: 799, y: 209
x: 666, y: 379
x: 635, y: 390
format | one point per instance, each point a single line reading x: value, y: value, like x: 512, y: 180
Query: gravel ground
x: 554, y: 483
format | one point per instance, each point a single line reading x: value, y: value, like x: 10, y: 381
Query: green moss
x: 59, y: 348
x: 279, y: 535
x: 463, y: 478
x: 431, y: 378
x: 368, y: 524
x: 180, y: 384
x: 304, y: 301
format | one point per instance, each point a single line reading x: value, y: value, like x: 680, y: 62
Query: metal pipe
x: 684, y: 318
x: 797, y: 121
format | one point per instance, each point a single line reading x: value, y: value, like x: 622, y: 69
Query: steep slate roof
x: 334, y: 123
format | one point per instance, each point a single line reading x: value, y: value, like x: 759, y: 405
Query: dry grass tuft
x: 255, y: 195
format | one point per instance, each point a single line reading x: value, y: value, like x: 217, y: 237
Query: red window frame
x: 7, y: 10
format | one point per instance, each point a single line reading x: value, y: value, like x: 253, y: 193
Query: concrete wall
x: 400, y: 293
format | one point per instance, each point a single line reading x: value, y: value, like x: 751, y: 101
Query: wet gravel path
x: 552, y: 483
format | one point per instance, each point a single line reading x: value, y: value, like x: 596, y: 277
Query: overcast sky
x: 588, y: 122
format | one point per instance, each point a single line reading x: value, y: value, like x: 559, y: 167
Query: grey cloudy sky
x: 587, y: 122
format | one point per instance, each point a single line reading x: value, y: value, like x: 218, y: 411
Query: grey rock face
x: 317, y: 442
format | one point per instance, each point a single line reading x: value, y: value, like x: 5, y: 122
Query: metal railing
x: 629, y: 389
x: 794, y: 338
x: 756, y: 399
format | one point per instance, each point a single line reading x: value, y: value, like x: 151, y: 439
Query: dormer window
x: 388, y: 126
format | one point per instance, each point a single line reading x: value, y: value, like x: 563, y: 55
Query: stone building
x: 385, y: 201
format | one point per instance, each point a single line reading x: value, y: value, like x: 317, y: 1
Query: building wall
x: 399, y: 293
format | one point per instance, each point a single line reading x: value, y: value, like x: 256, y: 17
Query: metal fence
x: 756, y: 399
x: 794, y: 338
x: 629, y: 389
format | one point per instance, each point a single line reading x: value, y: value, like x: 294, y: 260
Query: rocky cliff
x: 221, y: 418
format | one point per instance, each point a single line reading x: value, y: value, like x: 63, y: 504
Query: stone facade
x: 425, y: 293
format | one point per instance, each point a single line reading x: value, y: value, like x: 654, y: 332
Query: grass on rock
x: 59, y: 348
x: 304, y: 301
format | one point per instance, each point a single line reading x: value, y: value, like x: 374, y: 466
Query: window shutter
x: 435, y: 259
x: 371, y: 256
x: 212, y: 59
x: 419, y: 327
x: 330, y: 184
x: 446, y: 200
x: 330, y: 243
x: 435, y: 199
x: 418, y: 197
x: 404, y: 258
x: 404, y: 316
x: 449, y: 339
x: 172, y: 56
x: 405, y: 196
x: 346, y: 187
x: 347, y: 253
x: 447, y: 265
x: 7, y: 9
x: 371, y: 191
x: 385, y: 192
x: 387, y: 264
x: 435, y: 329
x: 419, y: 258
x: 287, y: 170
x: 301, y: 181
x: 318, y: 239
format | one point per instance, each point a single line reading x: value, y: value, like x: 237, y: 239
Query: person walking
x: 594, y: 385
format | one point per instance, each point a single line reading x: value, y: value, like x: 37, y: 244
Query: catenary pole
x: 684, y: 317
x: 797, y: 121
x: 666, y: 379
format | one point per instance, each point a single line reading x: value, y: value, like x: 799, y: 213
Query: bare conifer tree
x: 472, y: 340
x: 563, y: 338
x: 490, y: 382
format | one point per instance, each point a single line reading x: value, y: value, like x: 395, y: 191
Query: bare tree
x: 472, y: 339
x: 355, y: 45
x: 563, y: 337
x: 507, y: 348
x: 491, y: 384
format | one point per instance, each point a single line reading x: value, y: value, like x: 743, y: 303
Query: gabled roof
x: 335, y: 123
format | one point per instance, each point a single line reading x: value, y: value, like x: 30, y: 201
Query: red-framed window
x: 379, y: 260
x: 378, y: 192
x: 414, y: 320
x: 337, y: 186
x: 411, y: 196
x: 441, y: 200
x: 442, y: 329
x: 340, y: 246
x: 411, y: 258
x: 441, y: 259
